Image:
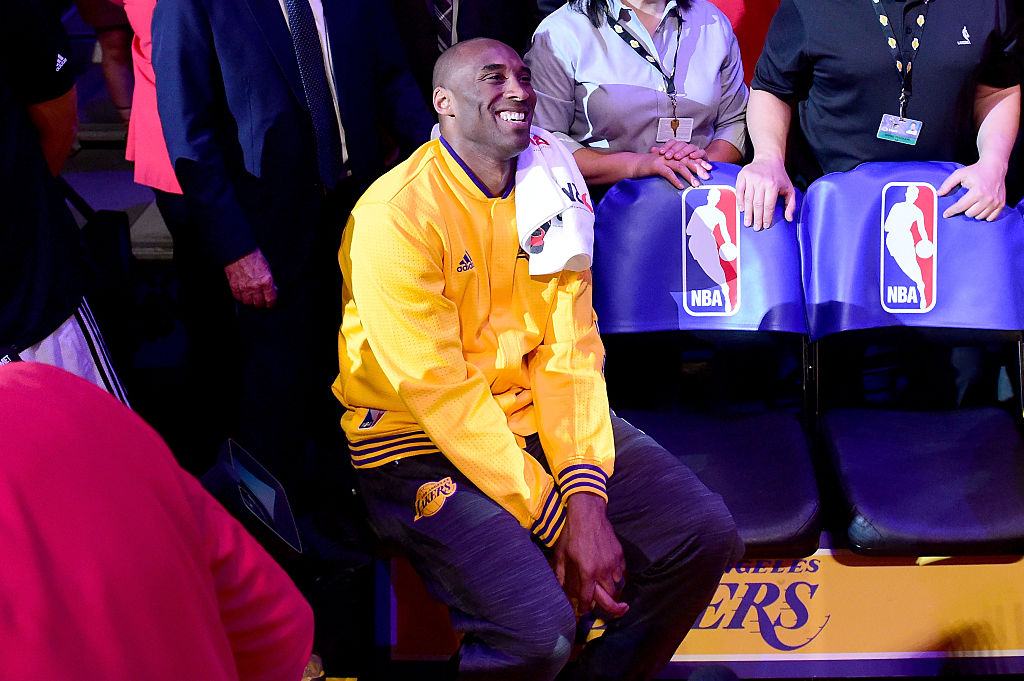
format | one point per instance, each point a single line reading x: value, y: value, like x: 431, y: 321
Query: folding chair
x: 877, y: 254
x: 663, y: 265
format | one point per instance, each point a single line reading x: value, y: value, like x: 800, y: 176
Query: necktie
x: 306, y: 42
x: 443, y: 11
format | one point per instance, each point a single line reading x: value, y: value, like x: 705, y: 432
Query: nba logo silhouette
x: 909, y: 261
x: 711, y: 251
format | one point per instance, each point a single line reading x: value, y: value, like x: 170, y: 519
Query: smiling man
x: 478, y: 419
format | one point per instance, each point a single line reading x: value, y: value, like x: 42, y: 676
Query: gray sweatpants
x: 677, y: 537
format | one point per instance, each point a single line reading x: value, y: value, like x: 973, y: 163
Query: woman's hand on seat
x: 689, y: 169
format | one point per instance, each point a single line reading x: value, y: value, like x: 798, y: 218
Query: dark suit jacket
x: 239, y: 132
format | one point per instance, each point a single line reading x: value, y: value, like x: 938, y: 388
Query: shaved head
x: 449, y: 60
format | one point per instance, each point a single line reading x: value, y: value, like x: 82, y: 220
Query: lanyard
x: 638, y: 47
x: 904, y: 71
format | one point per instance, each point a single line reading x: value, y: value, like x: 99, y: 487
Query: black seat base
x: 929, y: 483
x: 758, y: 462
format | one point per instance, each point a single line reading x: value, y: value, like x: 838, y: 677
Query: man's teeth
x: 512, y: 116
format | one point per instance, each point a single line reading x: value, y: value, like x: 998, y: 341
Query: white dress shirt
x: 596, y: 90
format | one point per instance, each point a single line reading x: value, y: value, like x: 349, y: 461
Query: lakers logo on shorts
x: 430, y: 497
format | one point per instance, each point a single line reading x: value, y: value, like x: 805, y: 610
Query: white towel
x: 554, y: 213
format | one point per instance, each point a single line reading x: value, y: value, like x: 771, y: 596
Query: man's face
x: 492, y: 101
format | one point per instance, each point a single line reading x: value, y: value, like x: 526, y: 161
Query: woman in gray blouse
x: 641, y: 87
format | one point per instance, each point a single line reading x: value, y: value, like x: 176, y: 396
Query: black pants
x: 677, y: 537
x: 263, y: 376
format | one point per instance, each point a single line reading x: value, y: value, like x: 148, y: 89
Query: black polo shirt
x: 40, y: 286
x: 831, y: 56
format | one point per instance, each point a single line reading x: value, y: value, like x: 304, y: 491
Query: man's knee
x: 721, y: 536
x: 708, y: 540
x: 716, y: 540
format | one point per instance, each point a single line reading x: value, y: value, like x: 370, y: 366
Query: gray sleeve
x: 731, y: 122
x: 553, y: 82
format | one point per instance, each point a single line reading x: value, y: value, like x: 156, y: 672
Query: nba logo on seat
x: 711, y: 251
x: 909, y: 259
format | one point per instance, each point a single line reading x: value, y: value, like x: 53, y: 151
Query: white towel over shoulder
x: 554, y: 213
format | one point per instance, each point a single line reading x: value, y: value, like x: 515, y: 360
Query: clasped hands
x: 673, y: 160
x: 588, y: 559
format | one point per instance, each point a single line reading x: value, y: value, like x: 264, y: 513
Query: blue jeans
x: 677, y: 537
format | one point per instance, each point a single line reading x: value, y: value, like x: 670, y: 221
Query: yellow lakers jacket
x: 448, y: 344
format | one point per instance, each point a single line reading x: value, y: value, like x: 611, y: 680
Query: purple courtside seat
x: 916, y: 483
x: 661, y: 268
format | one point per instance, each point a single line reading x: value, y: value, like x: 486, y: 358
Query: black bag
x: 108, y: 270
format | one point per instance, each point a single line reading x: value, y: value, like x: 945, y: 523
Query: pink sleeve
x: 268, y: 623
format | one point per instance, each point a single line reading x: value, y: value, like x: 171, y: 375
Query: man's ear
x: 443, y: 103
